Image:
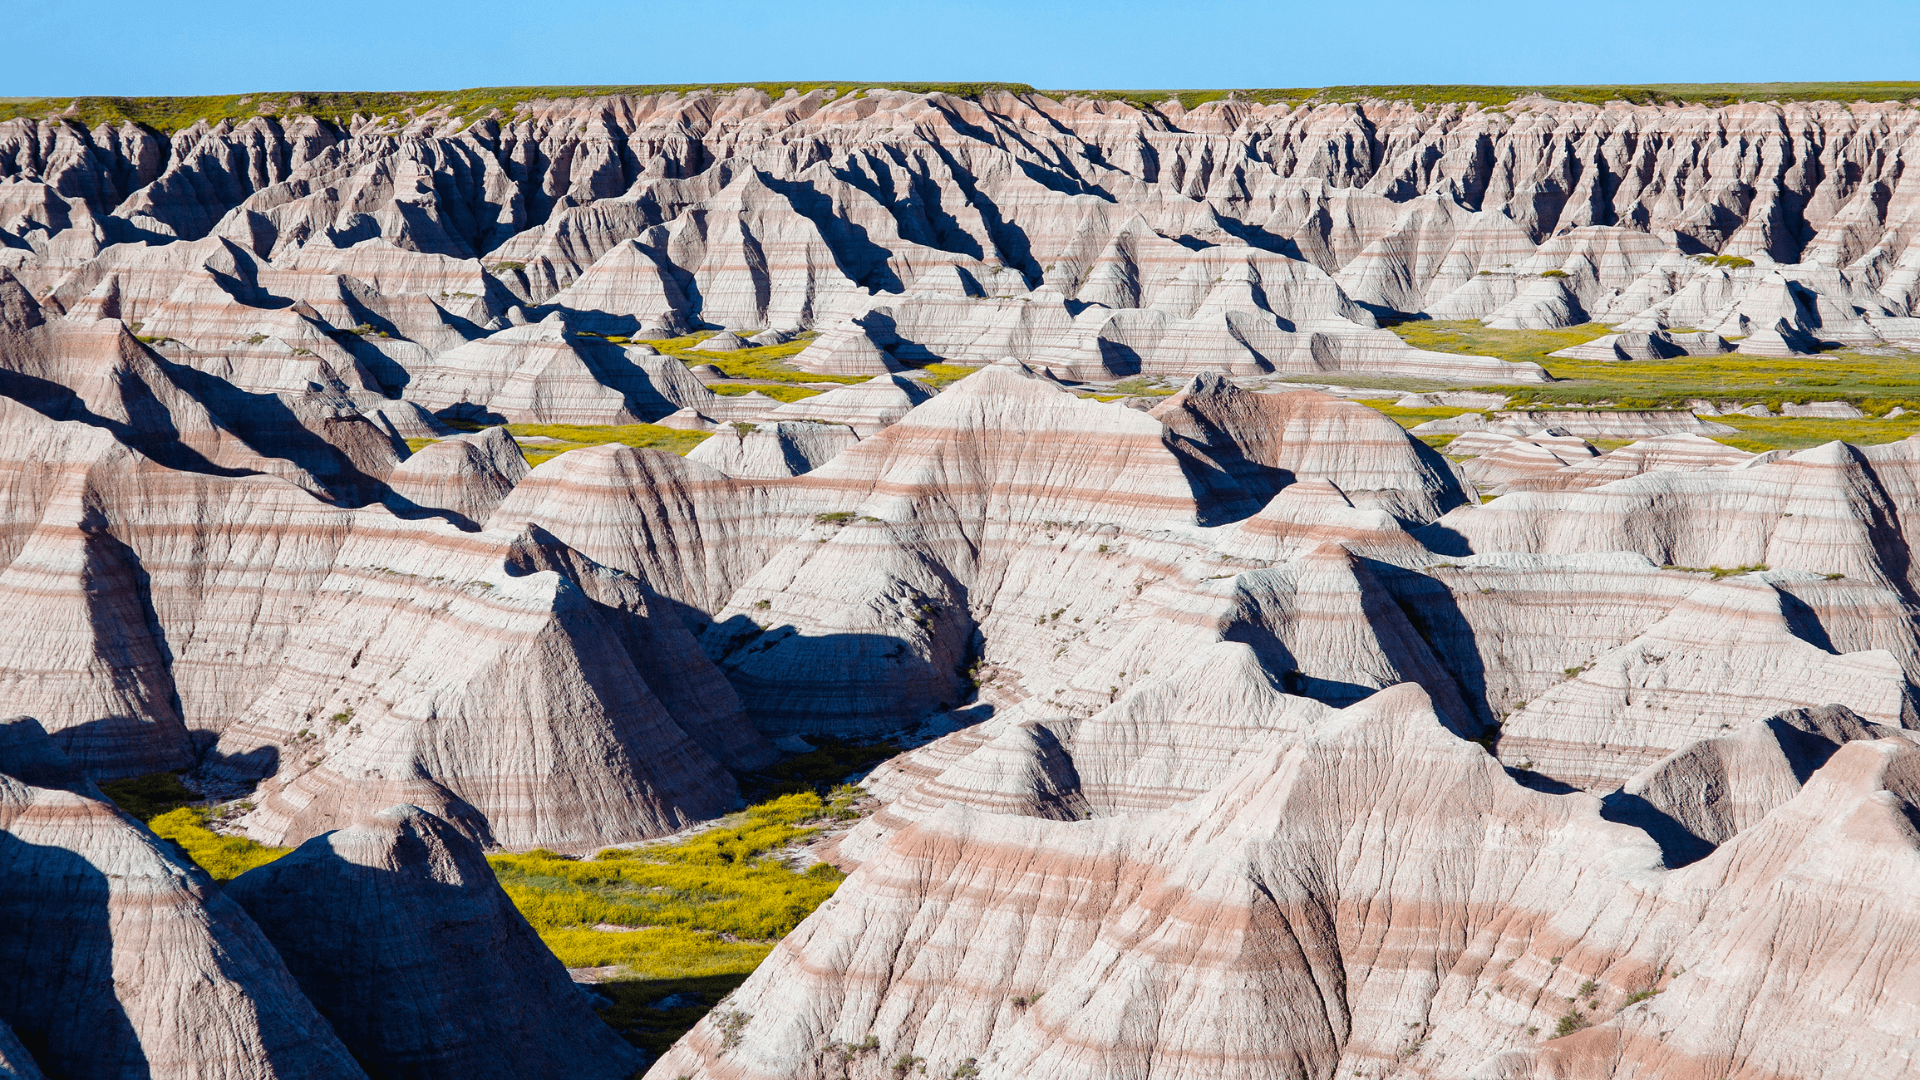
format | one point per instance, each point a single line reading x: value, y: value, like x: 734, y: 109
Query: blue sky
x: 225, y: 46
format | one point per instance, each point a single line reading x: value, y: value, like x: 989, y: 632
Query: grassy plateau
x: 166, y: 115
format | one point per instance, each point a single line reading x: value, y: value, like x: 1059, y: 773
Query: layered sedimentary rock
x: 1250, y: 737
x: 121, y: 958
x: 1702, y: 795
x: 396, y: 930
x: 466, y: 476
x: 866, y: 407
x: 443, y: 670
x: 1098, y: 239
x: 1257, y: 931
x: 773, y: 451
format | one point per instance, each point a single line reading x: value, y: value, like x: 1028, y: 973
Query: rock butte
x: 1265, y: 747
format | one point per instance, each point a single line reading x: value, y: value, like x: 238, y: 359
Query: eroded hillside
x: 1367, y: 588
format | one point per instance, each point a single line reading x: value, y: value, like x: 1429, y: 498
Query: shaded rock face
x: 120, y: 960
x: 15, y: 1062
x: 489, y: 683
x: 396, y: 930
x: 1698, y: 797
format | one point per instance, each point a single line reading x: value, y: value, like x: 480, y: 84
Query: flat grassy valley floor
x: 1874, y: 380
x: 664, y: 929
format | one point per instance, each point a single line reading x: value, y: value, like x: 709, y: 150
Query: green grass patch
x: 831, y: 761
x: 161, y: 800
x: 761, y: 362
x: 1638, y: 94
x: 718, y: 881
x: 170, y: 114
x: 687, y: 997
x: 1760, y: 433
x: 147, y: 797
x: 778, y: 393
x: 1718, y: 572
x: 1496, y: 96
x: 1189, y: 99
x: 1414, y: 417
x: 1142, y: 386
x: 941, y: 375
x: 709, y: 908
x: 575, y: 436
x: 1469, y: 338
x: 222, y: 857
x: 1874, y: 382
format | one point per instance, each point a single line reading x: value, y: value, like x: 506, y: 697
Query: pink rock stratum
x: 1248, y: 739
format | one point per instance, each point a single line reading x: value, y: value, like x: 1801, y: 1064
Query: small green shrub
x: 1718, y: 572
x: 1571, y: 1021
x: 1553, y: 273
x: 508, y: 266
x: 733, y: 1027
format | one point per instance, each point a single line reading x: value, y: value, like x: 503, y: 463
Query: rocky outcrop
x: 396, y: 930
x: 538, y: 374
x: 1702, y: 795
x: 123, y: 960
x: 773, y: 451
x: 1011, y: 945
x: 1269, y: 440
x: 865, y: 407
x: 465, y: 476
x: 444, y: 671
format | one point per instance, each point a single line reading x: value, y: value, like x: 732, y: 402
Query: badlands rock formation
x: 1249, y: 740
x: 397, y: 932
x: 455, y: 263
x: 123, y: 960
